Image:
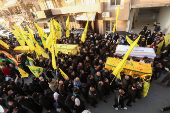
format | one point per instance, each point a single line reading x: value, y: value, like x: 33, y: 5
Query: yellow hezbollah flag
x: 36, y: 70
x: 4, y: 44
x: 146, y: 86
x: 31, y: 34
x: 121, y: 65
x: 31, y: 60
x: 23, y: 73
x: 56, y: 50
x: 131, y: 67
x: 49, y: 42
x: 130, y: 41
x: 117, y: 14
x: 63, y: 74
x: 16, y: 27
x: 83, y: 37
x: 167, y: 40
x: 42, y: 34
x: 19, y: 37
x: 42, y: 51
x: 28, y: 39
x: 159, y: 47
x: 53, y: 43
x: 57, y: 28
x: 67, y: 27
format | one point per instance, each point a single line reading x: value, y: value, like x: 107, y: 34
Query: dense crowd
x: 87, y: 75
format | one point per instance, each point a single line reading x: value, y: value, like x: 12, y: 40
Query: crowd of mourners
x: 88, y: 80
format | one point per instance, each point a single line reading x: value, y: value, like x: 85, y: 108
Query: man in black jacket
x: 119, y: 100
x: 43, y: 83
x: 131, y: 94
x: 101, y: 91
x: 93, y: 96
x: 157, y: 27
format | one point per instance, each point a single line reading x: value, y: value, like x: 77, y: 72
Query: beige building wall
x: 149, y: 3
x: 164, y: 19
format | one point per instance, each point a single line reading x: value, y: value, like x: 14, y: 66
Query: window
x: 84, y: 2
x: 49, y: 4
x: 115, y: 2
x: 109, y: 25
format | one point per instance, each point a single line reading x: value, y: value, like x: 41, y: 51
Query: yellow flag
x: 23, y: 73
x: 42, y: 51
x: 63, y: 74
x: 67, y: 27
x: 159, y: 47
x: 121, y: 65
x: 19, y: 37
x: 36, y: 70
x: 28, y: 40
x: 16, y: 27
x: 53, y: 43
x: 49, y: 42
x: 167, y: 40
x: 57, y: 28
x: 130, y: 41
x: 56, y: 50
x: 83, y: 37
x: 4, y: 44
x: 31, y: 60
x: 31, y: 35
x: 42, y: 34
x: 117, y: 14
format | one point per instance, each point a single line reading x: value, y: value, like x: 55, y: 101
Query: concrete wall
x: 139, y: 24
x: 124, y: 10
x: 164, y: 19
x: 121, y: 25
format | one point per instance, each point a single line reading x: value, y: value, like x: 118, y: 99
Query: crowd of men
x: 87, y: 75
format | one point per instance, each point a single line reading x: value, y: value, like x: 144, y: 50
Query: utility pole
x: 27, y: 9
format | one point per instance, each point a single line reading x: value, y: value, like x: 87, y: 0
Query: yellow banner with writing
x: 63, y: 74
x: 36, y: 70
x: 68, y: 48
x: 131, y: 67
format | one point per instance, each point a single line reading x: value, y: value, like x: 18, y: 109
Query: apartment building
x: 134, y: 14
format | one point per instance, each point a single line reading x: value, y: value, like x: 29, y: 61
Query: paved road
x: 158, y: 97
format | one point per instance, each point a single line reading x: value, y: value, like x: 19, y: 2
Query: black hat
x: 145, y: 57
x: 147, y: 24
x: 135, y: 76
x: 157, y: 23
x: 122, y: 72
x: 166, y: 58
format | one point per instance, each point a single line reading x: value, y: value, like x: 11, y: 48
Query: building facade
x: 134, y: 14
